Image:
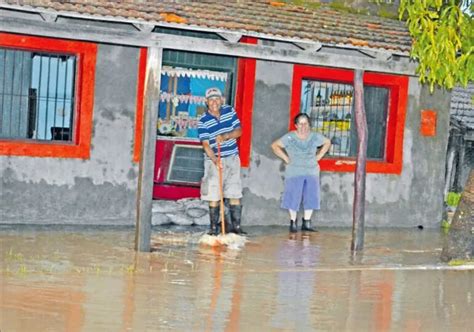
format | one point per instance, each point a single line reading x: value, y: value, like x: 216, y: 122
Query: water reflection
x: 56, y: 279
x: 295, y: 286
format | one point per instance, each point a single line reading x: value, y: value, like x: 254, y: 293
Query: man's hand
x: 223, y: 137
x: 216, y: 162
x: 210, y: 153
x: 236, y: 133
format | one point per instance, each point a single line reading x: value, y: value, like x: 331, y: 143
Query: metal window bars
x: 330, y: 107
x: 37, y: 95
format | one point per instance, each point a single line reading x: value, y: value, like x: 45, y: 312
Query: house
x: 99, y: 102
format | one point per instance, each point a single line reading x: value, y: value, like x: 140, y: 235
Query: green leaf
x: 443, y: 40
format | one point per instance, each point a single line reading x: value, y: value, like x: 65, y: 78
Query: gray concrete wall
x: 100, y: 190
x: 412, y: 198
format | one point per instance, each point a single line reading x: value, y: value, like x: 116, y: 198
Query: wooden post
x: 358, y: 212
x: 147, y: 156
x: 458, y: 185
x: 451, y: 154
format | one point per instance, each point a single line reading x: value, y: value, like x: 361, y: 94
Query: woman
x: 299, y: 150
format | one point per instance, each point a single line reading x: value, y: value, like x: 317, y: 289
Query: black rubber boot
x: 306, y: 226
x: 235, y: 217
x: 228, y: 223
x: 229, y: 228
x: 293, y: 226
x: 214, y: 220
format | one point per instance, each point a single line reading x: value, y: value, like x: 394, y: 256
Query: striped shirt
x: 209, y: 127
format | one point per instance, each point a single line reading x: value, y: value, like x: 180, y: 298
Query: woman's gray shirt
x: 302, y: 154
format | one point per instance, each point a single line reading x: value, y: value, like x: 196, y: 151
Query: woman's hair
x: 301, y: 115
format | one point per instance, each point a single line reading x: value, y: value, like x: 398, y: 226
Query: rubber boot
x: 235, y: 217
x: 293, y: 226
x: 306, y: 226
x: 229, y: 228
x: 214, y: 220
x: 228, y: 223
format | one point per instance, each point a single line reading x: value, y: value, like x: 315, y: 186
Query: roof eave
x: 147, y: 26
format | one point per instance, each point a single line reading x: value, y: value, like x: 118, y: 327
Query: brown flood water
x: 90, y: 279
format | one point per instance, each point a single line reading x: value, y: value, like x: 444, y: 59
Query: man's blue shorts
x: 301, y: 189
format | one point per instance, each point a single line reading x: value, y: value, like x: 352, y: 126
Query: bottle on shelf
x: 332, y: 98
x: 338, y: 97
x: 318, y: 98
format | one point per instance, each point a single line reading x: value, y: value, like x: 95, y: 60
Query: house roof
x: 259, y: 18
x: 462, y: 105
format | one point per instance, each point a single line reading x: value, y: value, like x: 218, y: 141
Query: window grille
x: 37, y: 92
x: 330, y: 106
x: 186, y: 164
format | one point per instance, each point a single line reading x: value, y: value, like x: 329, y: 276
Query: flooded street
x: 90, y: 279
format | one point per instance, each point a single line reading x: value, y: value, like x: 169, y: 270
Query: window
x: 46, y: 96
x: 326, y: 95
x: 36, y: 95
x: 330, y: 107
x: 187, y: 164
x: 182, y: 99
x: 185, y: 77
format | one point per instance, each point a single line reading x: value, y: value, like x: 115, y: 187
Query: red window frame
x: 398, y: 89
x: 86, y: 54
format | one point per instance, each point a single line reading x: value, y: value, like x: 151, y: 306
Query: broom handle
x: 221, y: 189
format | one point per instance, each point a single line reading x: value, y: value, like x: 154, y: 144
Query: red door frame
x: 243, y: 107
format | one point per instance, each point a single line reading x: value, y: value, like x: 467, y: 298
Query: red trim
x: 161, y: 189
x: 164, y: 191
x: 140, y: 103
x: 398, y: 86
x: 86, y: 59
x: 244, y: 101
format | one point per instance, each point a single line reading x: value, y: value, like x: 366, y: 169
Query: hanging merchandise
x: 194, y: 73
x: 182, y: 99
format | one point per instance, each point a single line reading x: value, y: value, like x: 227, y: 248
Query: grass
x: 459, y: 262
x: 445, y: 225
x: 452, y: 199
x: 12, y: 256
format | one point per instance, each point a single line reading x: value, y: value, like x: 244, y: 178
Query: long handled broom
x: 221, y: 188
x: 230, y: 240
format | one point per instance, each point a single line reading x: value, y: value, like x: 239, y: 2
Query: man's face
x: 214, y: 104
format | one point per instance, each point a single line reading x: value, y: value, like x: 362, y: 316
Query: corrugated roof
x: 265, y: 18
x: 462, y: 105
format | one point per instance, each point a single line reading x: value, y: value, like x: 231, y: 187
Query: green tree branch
x: 443, y: 40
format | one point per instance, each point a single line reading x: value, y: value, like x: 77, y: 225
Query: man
x: 220, y: 126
